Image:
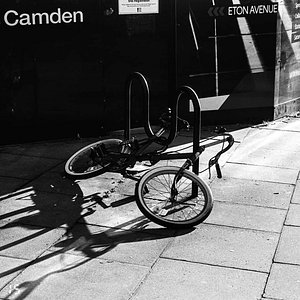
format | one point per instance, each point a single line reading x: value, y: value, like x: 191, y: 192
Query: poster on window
x: 296, y: 22
x: 136, y: 7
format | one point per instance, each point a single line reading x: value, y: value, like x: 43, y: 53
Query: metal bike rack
x: 128, y: 88
x: 183, y: 90
x: 191, y: 96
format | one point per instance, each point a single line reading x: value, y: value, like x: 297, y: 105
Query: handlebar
x: 215, y: 159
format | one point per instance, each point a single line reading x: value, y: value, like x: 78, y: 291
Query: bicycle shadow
x: 37, y: 207
x: 25, y: 288
x: 40, y: 206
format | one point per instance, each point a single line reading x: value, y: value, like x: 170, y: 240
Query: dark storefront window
x: 287, y: 91
x: 232, y: 56
x: 64, y: 63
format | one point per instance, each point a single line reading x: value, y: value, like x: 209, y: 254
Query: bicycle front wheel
x: 181, y: 203
x: 96, y: 158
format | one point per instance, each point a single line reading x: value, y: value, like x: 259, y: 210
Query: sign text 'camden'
x: 14, y: 18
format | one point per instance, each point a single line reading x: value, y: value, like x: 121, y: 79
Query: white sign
x: 136, y: 7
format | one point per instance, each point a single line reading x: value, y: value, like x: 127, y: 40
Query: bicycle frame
x: 138, y: 155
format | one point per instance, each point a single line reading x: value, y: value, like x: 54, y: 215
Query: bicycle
x: 170, y: 196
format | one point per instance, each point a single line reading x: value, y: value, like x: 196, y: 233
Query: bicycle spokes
x: 168, y: 197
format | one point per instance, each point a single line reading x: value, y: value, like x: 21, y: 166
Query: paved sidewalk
x: 61, y: 239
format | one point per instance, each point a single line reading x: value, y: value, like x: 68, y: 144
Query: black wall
x: 58, y: 80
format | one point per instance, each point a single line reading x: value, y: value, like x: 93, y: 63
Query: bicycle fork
x: 187, y: 164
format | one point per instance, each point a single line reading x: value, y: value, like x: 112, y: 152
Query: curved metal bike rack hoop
x: 183, y: 90
x: 191, y: 96
x: 128, y: 88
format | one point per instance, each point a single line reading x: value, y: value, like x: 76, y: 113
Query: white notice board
x: 136, y: 7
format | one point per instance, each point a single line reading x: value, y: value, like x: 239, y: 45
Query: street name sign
x: 243, y: 10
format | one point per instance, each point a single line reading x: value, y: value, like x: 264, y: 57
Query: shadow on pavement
x: 41, y: 210
x: 53, y: 202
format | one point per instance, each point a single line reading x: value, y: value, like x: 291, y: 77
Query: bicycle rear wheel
x: 95, y: 159
x: 190, y: 205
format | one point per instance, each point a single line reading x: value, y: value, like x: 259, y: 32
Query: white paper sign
x: 137, y: 7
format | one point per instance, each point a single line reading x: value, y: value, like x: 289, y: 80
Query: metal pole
x: 173, y: 53
x: 216, y: 53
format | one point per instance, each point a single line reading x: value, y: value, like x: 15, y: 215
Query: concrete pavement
x: 61, y: 239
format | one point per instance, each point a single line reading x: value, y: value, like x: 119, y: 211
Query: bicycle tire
x: 87, y: 162
x: 153, y: 198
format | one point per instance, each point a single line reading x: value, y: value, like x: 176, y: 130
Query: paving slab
x: 115, y: 205
x: 54, y: 182
x: 293, y: 216
x: 247, y: 216
x: 296, y: 195
x: 104, y: 185
x: 24, y: 167
x: 208, y: 153
x: 48, y: 149
x: 7, y: 265
x: 66, y: 276
x: 179, y: 280
x: 289, y: 246
x: 266, y: 157
x: 126, y: 187
x: 8, y: 184
x: 284, y: 124
x: 252, y: 172
x: 272, y: 139
x: 118, y: 210
x: 123, y: 214
x: 16, y: 205
x: 225, y: 246
x: 32, y: 207
x: 252, y: 192
x: 135, y: 247
x: 59, y: 168
x: 27, y: 242
x: 203, y: 168
x: 21, y: 194
x: 284, y: 282
x: 239, y: 131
